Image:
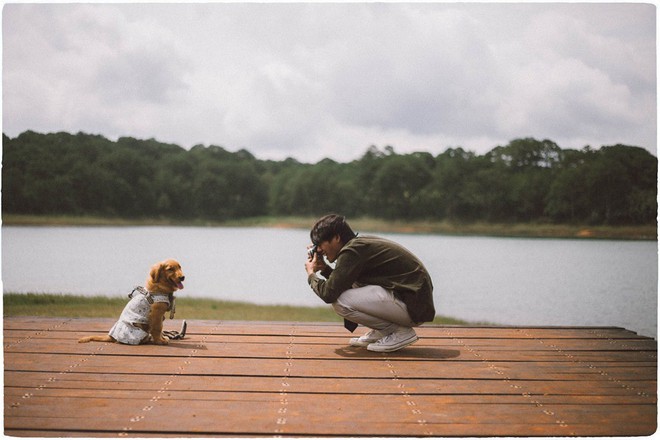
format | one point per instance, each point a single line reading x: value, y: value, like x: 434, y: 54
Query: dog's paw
x: 161, y: 342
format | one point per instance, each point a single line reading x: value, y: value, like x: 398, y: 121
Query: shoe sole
x: 388, y: 349
x: 354, y: 343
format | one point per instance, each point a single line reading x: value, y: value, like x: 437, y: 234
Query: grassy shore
x: 74, y: 306
x: 536, y: 230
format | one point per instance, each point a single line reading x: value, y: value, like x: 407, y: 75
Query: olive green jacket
x: 367, y: 260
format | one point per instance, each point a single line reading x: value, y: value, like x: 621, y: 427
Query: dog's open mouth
x: 179, y: 282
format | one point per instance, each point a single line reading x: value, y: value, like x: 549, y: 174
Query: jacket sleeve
x: 348, y: 266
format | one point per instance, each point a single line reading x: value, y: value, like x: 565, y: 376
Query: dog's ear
x: 156, y: 271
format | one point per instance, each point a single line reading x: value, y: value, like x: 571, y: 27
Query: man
x: 375, y: 282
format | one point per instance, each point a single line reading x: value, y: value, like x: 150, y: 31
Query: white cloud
x: 311, y: 80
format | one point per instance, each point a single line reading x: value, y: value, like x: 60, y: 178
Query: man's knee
x: 349, y: 301
x: 340, y: 308
x: 357, y: 296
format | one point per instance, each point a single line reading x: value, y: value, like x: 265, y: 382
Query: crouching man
x: 375, y: 282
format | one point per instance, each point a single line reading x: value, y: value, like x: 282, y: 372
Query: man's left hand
x: 315, y: 264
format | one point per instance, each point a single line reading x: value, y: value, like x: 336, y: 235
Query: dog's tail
x: 105, y: 338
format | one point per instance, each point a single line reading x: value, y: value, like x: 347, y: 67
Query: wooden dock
x: 300, y: 379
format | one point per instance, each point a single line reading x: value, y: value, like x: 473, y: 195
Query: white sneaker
x: 402, y: 337
x: 366, y: 339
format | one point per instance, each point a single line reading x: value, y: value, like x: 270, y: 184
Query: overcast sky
x: 315, y: 80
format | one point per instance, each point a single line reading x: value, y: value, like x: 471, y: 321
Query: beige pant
x: 373, y: 307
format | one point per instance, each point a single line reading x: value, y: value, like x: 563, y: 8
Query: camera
x: 311, y: 251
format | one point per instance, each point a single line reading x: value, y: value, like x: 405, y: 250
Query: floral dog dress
x: 127, y: 329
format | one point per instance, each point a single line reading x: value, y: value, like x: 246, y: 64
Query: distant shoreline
x: 77, y: 306
x: 520, y: 230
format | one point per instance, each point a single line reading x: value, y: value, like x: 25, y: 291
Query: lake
x: 479, y: 279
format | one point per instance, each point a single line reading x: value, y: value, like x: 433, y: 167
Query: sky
x: 329, y: 80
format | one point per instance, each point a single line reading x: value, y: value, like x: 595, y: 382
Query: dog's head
x: 166, y: 277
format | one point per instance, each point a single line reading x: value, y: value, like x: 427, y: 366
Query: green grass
x: 75, y: 306
x: 537, y: 230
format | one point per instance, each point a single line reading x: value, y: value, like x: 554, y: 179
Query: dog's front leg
x: 156, y: 317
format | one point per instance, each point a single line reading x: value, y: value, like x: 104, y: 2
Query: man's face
x: 331, y: 248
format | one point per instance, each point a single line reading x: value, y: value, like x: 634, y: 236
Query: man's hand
x: 315, y: 264
x: 309, y: 265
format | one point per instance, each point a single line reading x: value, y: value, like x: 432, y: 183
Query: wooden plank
x: 95, y: 382
x: 278, y: 330
x: 421, y: 352
x: 27, y: 337
x: 15, y: 395
x: 331, y: 367
x: 302, y: 328
x: 65, y: 339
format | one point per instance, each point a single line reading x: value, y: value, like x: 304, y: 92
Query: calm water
x: 498, y: 280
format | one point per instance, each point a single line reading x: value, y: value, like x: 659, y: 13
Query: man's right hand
x: 310, y: 264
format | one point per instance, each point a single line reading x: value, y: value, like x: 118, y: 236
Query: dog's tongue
x: 179, y: 284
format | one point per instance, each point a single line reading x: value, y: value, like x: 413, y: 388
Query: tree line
x: 527, y: 180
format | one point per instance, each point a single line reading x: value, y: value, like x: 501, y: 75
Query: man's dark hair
x: 329, y: 226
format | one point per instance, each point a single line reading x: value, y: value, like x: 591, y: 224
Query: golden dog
x: 142, y: 319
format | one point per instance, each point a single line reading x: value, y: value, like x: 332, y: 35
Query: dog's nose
x: 182, y: 278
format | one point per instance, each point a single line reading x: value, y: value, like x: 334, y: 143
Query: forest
x: 527, y: 180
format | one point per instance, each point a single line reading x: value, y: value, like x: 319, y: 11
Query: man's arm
x: 347, y: 268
